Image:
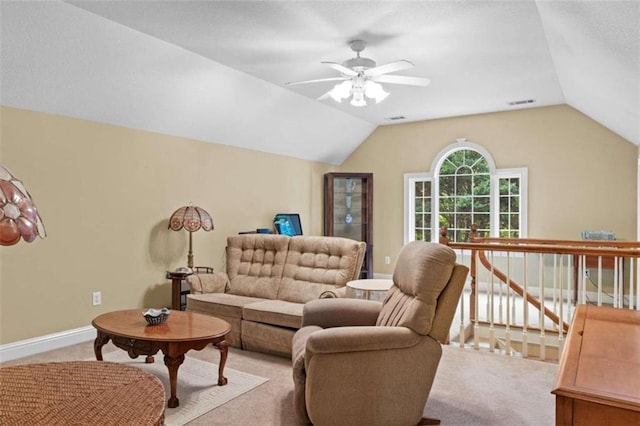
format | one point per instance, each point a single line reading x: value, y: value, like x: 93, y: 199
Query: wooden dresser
x: 598, y: 380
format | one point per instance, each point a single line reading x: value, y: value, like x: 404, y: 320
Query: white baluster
x: 555, y: 283
x: 507, y: 331
x: 599, y: 280
x: 492, y: 341
x: 541, y: 320
x: 525, y: 309
x: 616, y: 292
x: 583, y: 297
x: 476, y: 329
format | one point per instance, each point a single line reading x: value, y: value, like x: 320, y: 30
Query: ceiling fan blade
x: 339, y: 67
x: 387, y: 68
x: 324, y: 96
x: 319, y: 80
x: 401, y: 79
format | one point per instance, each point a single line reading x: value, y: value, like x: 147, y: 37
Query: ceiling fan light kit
x: 360, y: 78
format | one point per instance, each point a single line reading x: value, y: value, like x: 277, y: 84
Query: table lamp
x: 191, y: 218
x: 18, y: 215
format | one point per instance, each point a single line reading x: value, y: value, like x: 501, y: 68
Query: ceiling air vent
x: 395, y: 118
x: 522, y: 102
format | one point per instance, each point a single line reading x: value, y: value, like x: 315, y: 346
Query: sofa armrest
x: 340, y: 312
x: 335, y: 293
x: 359, y: 339
x: 208, y: 283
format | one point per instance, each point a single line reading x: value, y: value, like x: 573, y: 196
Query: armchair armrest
x: 359, y: 339
x: 208, y: 283
x: 340, y: 312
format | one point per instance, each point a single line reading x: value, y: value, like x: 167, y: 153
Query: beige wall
x: 581, y: 175
x: 105, y: 194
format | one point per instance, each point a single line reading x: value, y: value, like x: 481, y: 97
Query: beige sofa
x: 267, y: 281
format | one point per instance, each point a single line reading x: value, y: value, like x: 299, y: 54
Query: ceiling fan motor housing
x: 359, y: 64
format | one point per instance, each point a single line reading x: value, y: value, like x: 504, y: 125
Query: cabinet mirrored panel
x: 348, y: 210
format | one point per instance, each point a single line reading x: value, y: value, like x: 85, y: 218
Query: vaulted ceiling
x: 216, y: 71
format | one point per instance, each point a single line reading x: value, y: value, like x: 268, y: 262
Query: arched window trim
x: 432, y: 177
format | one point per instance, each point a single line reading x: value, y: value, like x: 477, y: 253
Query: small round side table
x: 368, y: 286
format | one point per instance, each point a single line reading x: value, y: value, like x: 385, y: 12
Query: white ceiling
x: 215, y: 71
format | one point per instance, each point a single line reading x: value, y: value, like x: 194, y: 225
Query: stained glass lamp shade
x: 191, y: 218
x: 18, y: 215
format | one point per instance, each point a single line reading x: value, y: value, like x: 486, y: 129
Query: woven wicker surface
x: 80, y: 393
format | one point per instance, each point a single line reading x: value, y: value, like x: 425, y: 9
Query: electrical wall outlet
x: 96, y: 298
x: 387, y: 260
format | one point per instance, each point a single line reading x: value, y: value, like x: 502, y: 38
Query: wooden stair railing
x: 532, y: 300
x: 596, y: 248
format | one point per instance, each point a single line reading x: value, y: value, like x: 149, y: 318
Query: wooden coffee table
x: 181, y: 332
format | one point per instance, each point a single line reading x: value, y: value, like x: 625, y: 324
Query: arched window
x: 465, y: 188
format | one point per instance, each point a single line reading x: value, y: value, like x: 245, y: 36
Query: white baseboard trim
x: 36, y: 345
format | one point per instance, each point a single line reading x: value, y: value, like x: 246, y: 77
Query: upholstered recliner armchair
x: 360, y: 362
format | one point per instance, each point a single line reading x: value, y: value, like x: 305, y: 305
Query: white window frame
x: 433, y: 176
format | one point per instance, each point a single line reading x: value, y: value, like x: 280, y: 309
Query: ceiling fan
x: 361, y: 78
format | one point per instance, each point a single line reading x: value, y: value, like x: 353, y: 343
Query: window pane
x: 447, y: 185
x: 481, y: 185
x: 446, y: 220
x: 504, y: 221
x: 427, y: 189
x: 419, y: 221
x: 483, y: 221
x: 515, y: 204
x: 427, y: 235
x: 419, y: 189
x: 504, y: 204
x: 463, y: 185
x: 419, y: 235
x: 463, y: 204
x: 481, y: 204
x: 515, y: 221
x: 515, y: 186
x: 447, y: 204
x: 504, y: 186
x: 419, y: 205
x: 463, y: 221
x: 427, y: 205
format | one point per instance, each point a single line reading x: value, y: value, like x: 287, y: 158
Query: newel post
x: 443, y: 239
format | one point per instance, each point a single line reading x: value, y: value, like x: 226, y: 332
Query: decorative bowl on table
x: 156, y: 316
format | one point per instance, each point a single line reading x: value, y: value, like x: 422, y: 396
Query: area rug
x: 197, y: 389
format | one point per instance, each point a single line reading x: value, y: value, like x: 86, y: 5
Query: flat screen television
x: 288, y: 224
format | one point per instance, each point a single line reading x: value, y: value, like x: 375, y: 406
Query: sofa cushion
x: 274, y: 312
x: 317, y: 264
x: 255, y: 263
x: 224, y: 304
x: 260, y: 337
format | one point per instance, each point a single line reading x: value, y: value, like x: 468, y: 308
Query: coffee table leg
x: 173, y: 364
x: 101, y: 340
x: 222, y: 346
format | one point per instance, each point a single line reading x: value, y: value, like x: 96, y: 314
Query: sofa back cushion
x: 422, y: 271
x: 255, y: 263
x: 317, y: 264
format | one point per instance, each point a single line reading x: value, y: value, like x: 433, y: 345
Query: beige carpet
x: 197, y: 387
x: 471, y: 388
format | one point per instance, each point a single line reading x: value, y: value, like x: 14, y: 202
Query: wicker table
x: 80, y: 393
